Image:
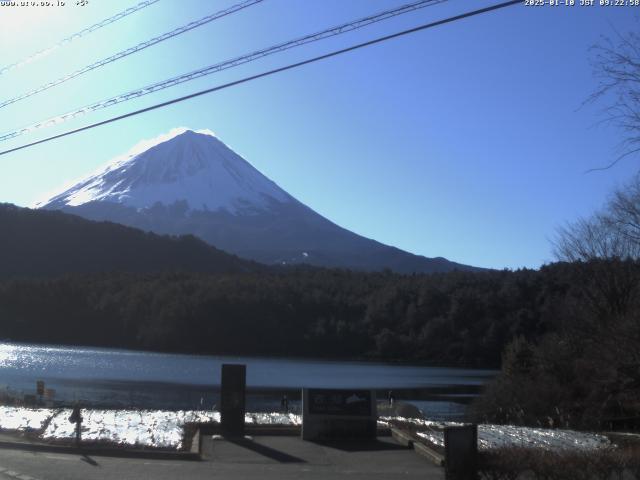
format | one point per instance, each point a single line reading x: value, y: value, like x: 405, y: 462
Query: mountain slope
x: 43, y: 243
x: 192, y: 183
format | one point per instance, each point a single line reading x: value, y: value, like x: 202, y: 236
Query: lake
x: 114, y: 378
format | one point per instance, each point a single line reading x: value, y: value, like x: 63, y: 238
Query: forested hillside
x: 457, y: 318
x: 36, y: 243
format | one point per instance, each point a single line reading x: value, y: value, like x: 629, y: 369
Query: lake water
x: 112, y: 377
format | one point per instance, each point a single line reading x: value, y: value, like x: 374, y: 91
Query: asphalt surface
x: 263, y: 457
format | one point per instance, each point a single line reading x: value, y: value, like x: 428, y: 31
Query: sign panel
x: 340, y: 402
x: 338, y: 414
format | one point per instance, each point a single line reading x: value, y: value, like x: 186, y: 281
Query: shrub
x: 509, y: 463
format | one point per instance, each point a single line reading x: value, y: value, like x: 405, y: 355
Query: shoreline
x: 443, y: 402
x: 490, y: 370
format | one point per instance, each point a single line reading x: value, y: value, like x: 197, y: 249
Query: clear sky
x: 465, y: 141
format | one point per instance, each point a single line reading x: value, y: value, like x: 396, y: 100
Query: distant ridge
x: 189, y: 182
x: 35, y: 243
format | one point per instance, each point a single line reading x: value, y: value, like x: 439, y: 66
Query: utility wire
x: 271, y: 72
x: 107, y: 21
x: 132, y: 50
x: 250, y: 57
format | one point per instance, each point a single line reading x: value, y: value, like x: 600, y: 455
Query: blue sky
x: 466, y: 141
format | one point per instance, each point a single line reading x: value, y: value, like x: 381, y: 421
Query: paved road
x: 268, y: 458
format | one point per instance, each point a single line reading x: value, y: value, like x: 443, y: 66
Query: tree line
x: 455, y: 318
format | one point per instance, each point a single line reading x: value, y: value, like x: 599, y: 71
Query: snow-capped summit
x: 184, y: 166
x: 189, y: 182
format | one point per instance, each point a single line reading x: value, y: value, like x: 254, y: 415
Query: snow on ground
x: 164, y: 429
x: 496, y: 436
x: 273, y: 418
x: 149, y: 428
x: 420, y: 422
x: 21, y: 419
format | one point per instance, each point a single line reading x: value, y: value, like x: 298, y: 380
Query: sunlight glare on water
x: 8, y: 354
x: 126, y: 377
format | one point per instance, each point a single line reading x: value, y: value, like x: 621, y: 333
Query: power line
x: 132, y: 50
x: 271, y: 72
x: 107, y: 21
x: 250, y: 57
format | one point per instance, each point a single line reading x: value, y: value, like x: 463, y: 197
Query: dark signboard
x: 340, y: 402
x: 461, y: 451
x: 232, y: 399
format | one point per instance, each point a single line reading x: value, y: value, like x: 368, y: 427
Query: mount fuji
x: 190, y: 182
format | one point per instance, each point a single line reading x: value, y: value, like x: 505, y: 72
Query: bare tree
x: 616, y: 65
x: 607, y: 245
x: 614, y: 232
x: 588, y: 239
x: 624, y: 211
x: 596, y: 237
